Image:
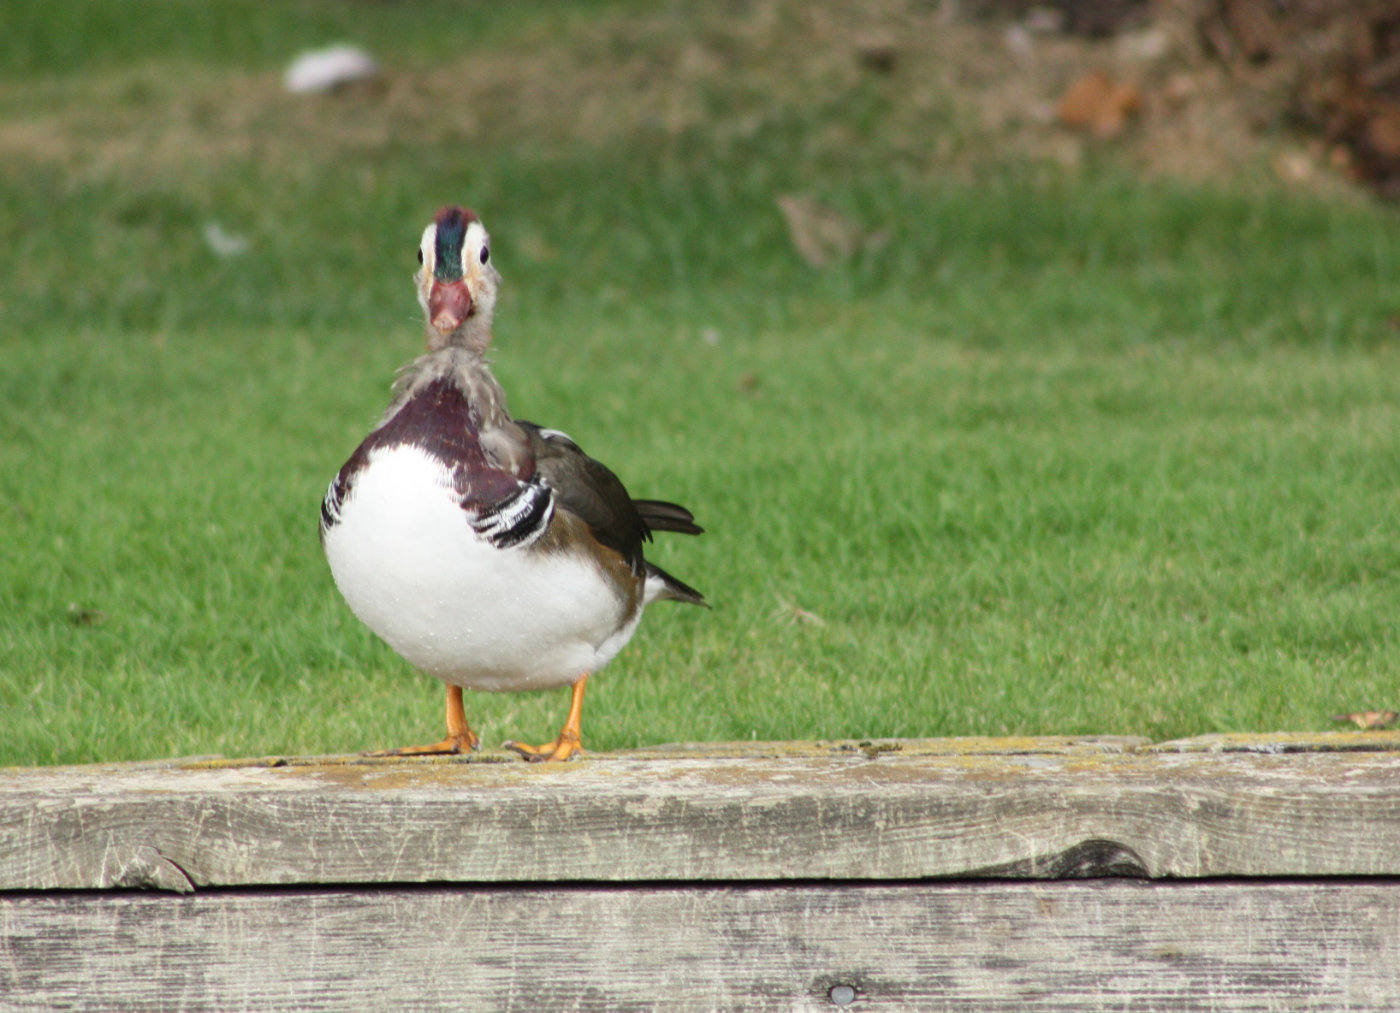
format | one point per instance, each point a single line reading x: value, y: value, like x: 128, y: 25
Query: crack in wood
x: 145, y: 868
x: 1091, y: 859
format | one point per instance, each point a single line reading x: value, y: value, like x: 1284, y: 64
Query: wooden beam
x: 986, y: 946
x: 881, y: 810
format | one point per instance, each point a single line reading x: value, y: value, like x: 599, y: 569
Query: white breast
x: 414, y: 571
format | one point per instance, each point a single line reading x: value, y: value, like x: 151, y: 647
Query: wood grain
x: 988, y: 946
x: 1025, y: 809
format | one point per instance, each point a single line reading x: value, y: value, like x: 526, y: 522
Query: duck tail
x: 660, y: 515
x: 661, y: 586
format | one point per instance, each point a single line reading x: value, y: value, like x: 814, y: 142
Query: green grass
x: 1065, y: 454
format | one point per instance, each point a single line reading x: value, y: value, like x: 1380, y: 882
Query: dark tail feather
x: 660, y: 515
x: 673, y: 589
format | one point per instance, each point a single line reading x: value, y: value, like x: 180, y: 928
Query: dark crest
x: 452, y: 222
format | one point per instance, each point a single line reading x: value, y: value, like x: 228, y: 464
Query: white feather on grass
x: 326, y: 69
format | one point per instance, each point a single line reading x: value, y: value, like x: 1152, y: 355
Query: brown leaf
x: 1369, y: 720
x: 819, y: 233
x: 1099, y: 104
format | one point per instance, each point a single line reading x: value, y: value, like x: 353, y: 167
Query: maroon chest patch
x: 441, y: 421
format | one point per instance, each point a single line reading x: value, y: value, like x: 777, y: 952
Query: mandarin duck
x: 491, y: 553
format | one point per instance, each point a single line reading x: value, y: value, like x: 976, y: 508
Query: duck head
x: 457, y: 281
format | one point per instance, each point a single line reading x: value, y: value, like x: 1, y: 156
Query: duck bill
x: 449, y: 303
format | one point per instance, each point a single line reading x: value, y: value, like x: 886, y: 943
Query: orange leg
x: 459, y: 739
x: 569, y: 741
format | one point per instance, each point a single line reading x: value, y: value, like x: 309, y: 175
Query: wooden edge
x: 1265, y: 743
x: 1278, y: 743
x: 816, y: 811
x: 753, y: 750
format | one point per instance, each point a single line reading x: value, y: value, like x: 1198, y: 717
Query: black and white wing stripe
x: 330, y: 505
x: 517, y: 520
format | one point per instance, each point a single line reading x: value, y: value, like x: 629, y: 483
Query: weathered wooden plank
x: 1023, y: 946
x: 964, y: 745
x: 841, y: 811
x: 1282, y: 743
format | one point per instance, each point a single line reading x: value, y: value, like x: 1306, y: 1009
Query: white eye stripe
x: 425, y: 247
x: 475, y: 242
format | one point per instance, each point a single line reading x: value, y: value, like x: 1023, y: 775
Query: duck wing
x: 589, y: 490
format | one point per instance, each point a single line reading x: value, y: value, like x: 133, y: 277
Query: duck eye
x: 420, y: 254
x: 485, y: 254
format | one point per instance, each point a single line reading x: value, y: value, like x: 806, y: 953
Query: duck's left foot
x: 570, y: 740
x: 562, y: 748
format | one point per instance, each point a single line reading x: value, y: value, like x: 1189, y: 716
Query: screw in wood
x: 842, y: 995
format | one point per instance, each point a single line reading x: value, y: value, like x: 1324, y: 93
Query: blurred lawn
x: 1059, y: 453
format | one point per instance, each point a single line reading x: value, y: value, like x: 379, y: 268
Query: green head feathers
x: 452, y: 224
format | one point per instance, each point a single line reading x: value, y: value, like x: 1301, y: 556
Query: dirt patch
x: 1330, y: 66
x: 1193, y: 91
